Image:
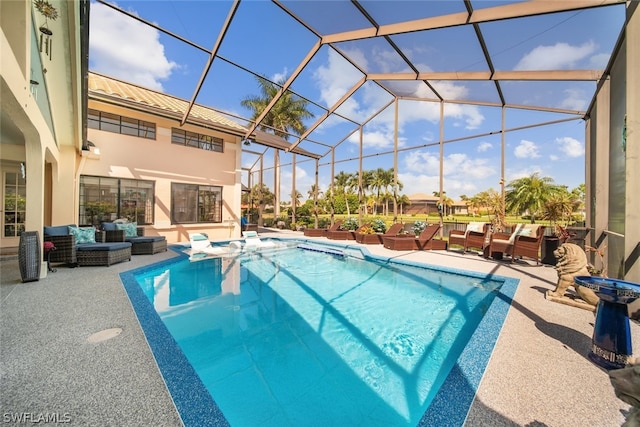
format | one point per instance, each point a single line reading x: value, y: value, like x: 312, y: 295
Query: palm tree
x: 403, y: 200
x: 367, y: 184
x: 315, y: 193
x: 529, y: 194
x: 561, y: 205
x: 285, y: 116
x: 260, y: 196
x: 342, y: 182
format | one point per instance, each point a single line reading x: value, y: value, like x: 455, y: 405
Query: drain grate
x: 107, y: 334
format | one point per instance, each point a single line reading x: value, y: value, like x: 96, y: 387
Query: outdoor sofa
x: 85, y: 246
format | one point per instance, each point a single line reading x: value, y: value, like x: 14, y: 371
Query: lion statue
x: 571, y: 262
x: 626, y: 383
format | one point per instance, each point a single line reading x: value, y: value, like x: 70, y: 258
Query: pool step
x: 316, y: 248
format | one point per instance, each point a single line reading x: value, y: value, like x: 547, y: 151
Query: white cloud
x: 557, y: 57
x: 570, y: 146
x: 337, y: 76
x: 599, y: 60
x: 526, y: 150
x: 554, y: 158
x: 575, y: 100
x: 124, y: 48
x: 484, y: 146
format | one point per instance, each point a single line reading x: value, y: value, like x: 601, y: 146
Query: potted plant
x: 378, y: 225
x: 350, y: 224
x: 418, y: 227
x: 368, y: 235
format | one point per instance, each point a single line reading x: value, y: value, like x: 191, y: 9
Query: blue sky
x: 264, y: 39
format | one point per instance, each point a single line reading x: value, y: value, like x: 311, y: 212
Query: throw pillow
x: 130, y: 228
x: 83, y: 234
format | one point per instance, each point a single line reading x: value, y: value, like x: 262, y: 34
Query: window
x: 106, y: 199
x: 192, y: 203
x: 193, y: 139
x: 118, y: 124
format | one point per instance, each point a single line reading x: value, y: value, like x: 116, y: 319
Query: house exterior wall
x: 40, y: 121
x: 164, y: 163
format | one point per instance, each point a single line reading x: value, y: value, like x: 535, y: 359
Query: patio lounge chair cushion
x: 527, y: 230
x: 103, y: 246
x: 108, y: 226
x: 57, y: 230
x: 477, y: 227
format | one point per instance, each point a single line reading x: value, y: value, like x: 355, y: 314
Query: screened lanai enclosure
x: 456, y: 97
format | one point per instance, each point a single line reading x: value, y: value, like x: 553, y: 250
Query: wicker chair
x: 473, y: 237
x: 525, y: 241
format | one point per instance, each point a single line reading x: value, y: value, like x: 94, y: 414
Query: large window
x: 195, y: 203
x: 106, y: 199
x: 196, y: 140
x: 119, y: 124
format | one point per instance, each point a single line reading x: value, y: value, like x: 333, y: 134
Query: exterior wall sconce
x: 49, y: 12
x: 247, y: 142
x: 34, y: 88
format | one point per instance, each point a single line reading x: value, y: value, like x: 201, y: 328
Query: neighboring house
x: 421, y: 204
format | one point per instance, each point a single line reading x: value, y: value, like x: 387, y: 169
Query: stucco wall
x: 162, y: 162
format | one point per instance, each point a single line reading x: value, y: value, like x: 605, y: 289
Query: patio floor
x: 538, y: 375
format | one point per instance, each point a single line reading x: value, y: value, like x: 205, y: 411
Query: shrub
x: 378, y: 225
x: 350, y: 224
x: 418, y: 227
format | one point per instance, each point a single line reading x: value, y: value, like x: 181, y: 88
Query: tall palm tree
x: 285, y: 117
x: 403, y: 200
x: 342, y: 182
x: 367, y: 184
x: 529, y: 194
x: 287, y: 114
x: 260, y: 196
x: 315, y: 194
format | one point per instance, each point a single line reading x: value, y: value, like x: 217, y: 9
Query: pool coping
x: 196, y: 406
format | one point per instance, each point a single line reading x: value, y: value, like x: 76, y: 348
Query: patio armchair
x: 321, y: 232
x: 474, y: 236
x: 424, y: 241
x: 524, y: 241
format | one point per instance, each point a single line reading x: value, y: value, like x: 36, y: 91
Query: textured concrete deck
x: 538, y: 375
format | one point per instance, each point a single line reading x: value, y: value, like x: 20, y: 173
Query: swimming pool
x: 298, y: 337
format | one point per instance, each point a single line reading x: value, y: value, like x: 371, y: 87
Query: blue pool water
x: 292, y: 337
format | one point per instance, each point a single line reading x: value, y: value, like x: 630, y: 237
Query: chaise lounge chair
x: 252, y: 241
x: 321, y: 232
x: 474, y: 236
x: 525, y: 241
x: 424, y: 241
x: 374, y: 239
x: 344, y: 234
